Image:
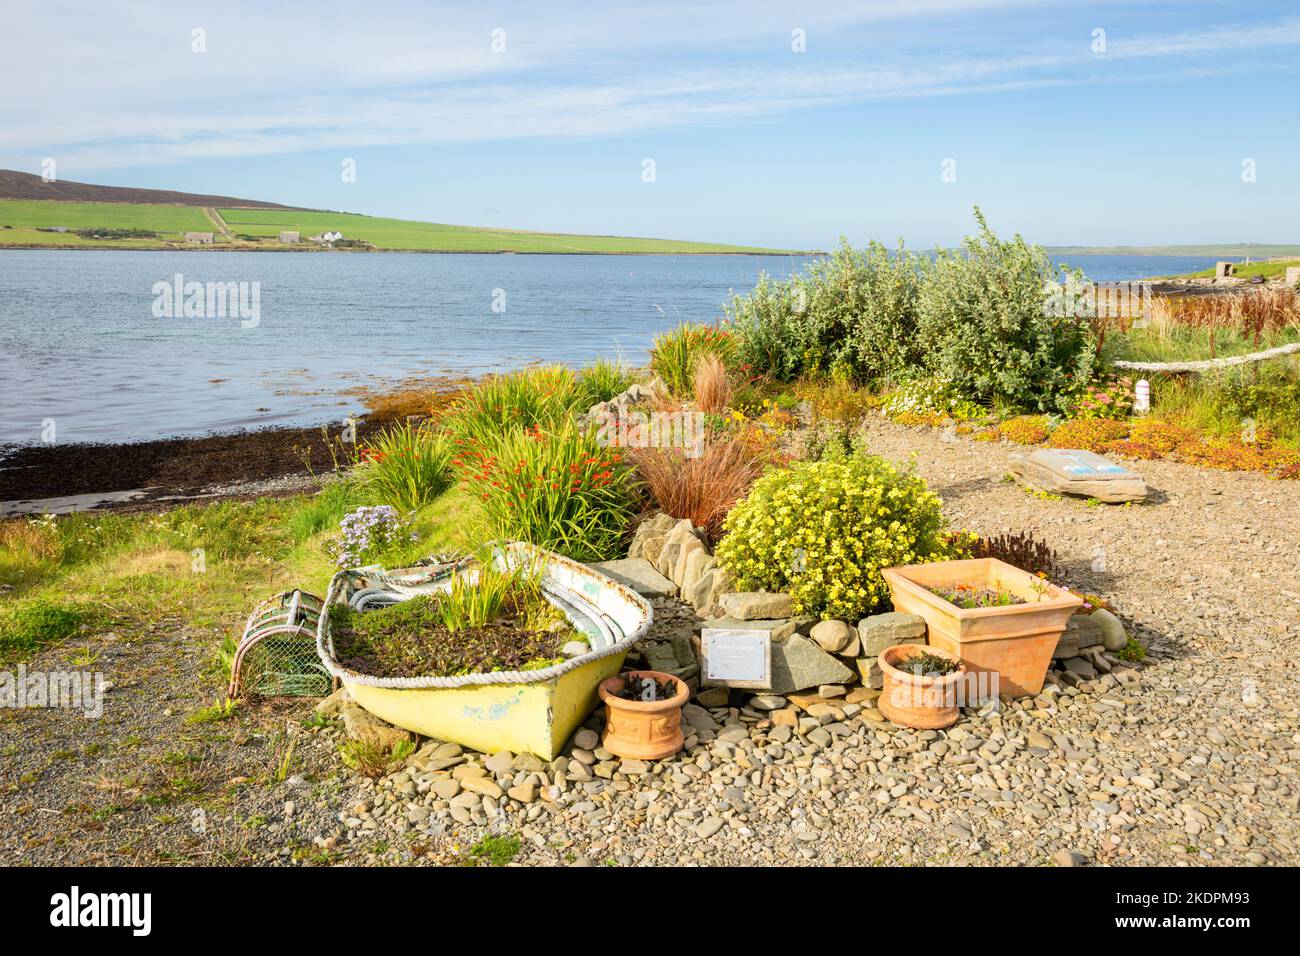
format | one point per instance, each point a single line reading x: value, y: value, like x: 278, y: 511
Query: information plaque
x: 734, y: 657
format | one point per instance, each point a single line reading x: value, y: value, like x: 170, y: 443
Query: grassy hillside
x: 438, y: 237
x: 1237, y: 250
x: 24, y: 215
x: 262, y: 228
x: 1269, y: 270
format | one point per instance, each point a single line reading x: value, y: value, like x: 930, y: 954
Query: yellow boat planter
x: 520, y: 711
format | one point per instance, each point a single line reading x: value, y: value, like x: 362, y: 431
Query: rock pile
x: 676, y: 549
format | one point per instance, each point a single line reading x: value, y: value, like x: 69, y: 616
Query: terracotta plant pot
x: 1015, y: 642
x: 911, y: 700
x: 643, y: 730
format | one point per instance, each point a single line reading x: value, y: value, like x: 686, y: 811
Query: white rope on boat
x: 1210, y: 364
x: 609, y: 628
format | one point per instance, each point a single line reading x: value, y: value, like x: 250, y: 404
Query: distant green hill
x: 406, y: 234
x: 1238, y: 250
x: 25, y: 223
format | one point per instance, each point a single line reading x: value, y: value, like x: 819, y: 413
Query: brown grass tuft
x: 704, y: 488
x: 712, y: 385
x: 1254, y: 315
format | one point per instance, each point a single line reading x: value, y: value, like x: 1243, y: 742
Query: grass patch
x: 372, y: 758
x: 323, y: 510
x: 406, y: 466
x: 28, y: 626
x: 495, y: 850
x: 675, y: 353
x: 602, y: 380
x: 222, y: 710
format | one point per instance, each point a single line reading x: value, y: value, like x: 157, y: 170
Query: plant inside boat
x: 967, y: 597
x: 925, y: 664
x: 500, y: 622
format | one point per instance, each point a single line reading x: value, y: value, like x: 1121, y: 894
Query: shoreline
x: 176, y: 469
x: 57, y: 247
x: 215, y: 464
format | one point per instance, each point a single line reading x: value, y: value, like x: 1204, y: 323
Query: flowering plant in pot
x: 924, y: 687
x: 995, y: 617
x: 643, y: 714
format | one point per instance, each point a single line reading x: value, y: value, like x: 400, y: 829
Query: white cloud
x: 102, y: 90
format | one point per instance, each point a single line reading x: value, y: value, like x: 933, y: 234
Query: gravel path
x: 1190, y: 758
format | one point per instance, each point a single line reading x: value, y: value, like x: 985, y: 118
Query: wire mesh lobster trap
x: 276, y: 656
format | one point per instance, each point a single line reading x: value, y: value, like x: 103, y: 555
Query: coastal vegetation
x: 782, y: 386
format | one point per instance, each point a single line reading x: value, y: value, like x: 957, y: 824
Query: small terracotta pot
x: 643, y: 730
x: 924, y: 703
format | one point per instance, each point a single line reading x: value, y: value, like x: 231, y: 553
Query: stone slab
x: 1073, y: 471
x: 798, y: 663
x: 639, y: 575
x: 885, y: 630
x: 781, y: 628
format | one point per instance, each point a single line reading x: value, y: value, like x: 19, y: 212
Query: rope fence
x: 1208, y: 365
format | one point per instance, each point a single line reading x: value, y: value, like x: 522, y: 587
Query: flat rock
x: 691, y: 549
x: 1081, y: 667
x: 524, y: 793
x: 639, y: 575
x: 798, y: 662
x: 697, y: 565
x: 787, y: 717
x: 485, y: 786
x: 698, y: 718
x: 861, y: 695
x: 879, y: 631
x: 713, y: 697
x: 756, y: 605
x: 502, y: 761
x: 334, y: 703
x: 1081, y: 632
x: 780, y: 628
x: 869, y: 669
x: 1072, y: 471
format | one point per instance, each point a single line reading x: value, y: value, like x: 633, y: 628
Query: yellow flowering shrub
x: 822, y: 530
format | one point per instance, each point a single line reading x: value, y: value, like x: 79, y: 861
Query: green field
x: 437, y: 237
x: 171, y: 222
x: 1269, y: 270
x: 1237, y: 250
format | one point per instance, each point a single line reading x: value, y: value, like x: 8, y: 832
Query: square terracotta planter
x: 1016, y: 641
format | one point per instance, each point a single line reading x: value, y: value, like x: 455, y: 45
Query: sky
x: 784, y: 125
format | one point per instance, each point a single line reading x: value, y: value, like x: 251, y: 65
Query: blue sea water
x: 86, y: 350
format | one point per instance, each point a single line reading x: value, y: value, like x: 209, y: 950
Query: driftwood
x: 1210, y: 364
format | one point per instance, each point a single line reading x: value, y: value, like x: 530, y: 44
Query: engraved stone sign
x: 1076, y: 472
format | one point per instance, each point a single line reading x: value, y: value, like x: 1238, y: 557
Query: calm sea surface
x: 83, y: 348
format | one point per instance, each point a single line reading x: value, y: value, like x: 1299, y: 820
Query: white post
x: 1142, y: 397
